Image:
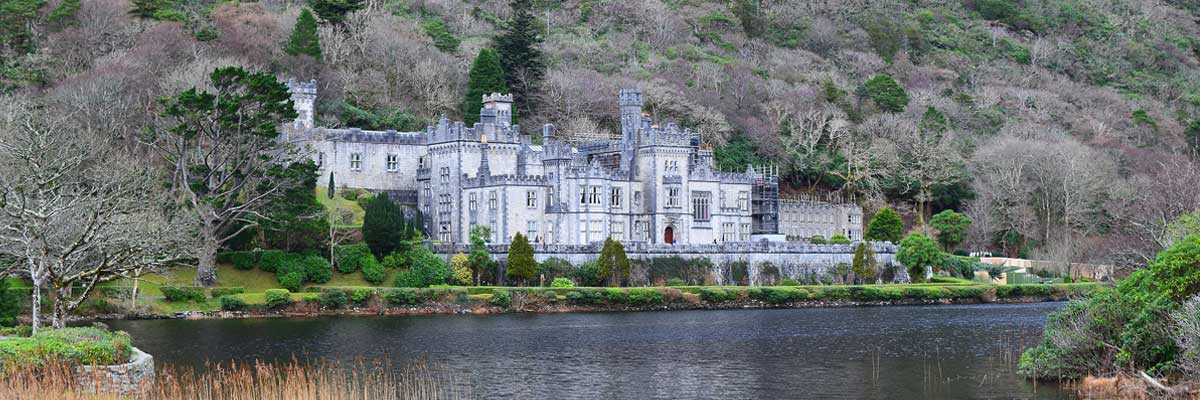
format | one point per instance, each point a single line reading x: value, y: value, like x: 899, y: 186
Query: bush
x: 183, y: 293
x: 243, y: 260
x: 715, y: 295
x: 278, y: 298
x: 349, y: 257
x: 584, y: 296
x: 562, y: 283
x: 400, y: 296
x: 217, y: 292
x: 333, y: 298
x: 316, y: 269
x: 427, y: 269
x: 360, y: 295
x: 10, y: 304
x: 272, y: 260
x: 81, y: 346
x: 789, y: 282
x: 501, y: 298
x: 676, y: 282
x: 372, y: 271
x: 232, y: 303
x: 616, y: 295
x: 292, y: 281
x: 644, y: 296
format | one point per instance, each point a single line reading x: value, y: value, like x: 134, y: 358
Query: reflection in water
x: 947, y: 352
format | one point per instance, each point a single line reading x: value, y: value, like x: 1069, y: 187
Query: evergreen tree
x: 520, y: 56
x: 521, y: 265
x: 919, y: 254
x: 486, y: 76
x: 295, y: 221
x: 64, y: 14
x: 16, y: 16
x: 383, y: 225
x: 334, y: 12
x: 951, y: 228
x: 885, y: 226
x: 10, y: 303
x: 332, y: 191
x: 863, y: 264
x: 886, y: 93
x: 304, y: 40
x: 145, y: 8
x: 613, y: 264
x: 480, y: 258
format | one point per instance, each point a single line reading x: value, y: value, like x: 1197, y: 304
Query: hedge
x: 278, y: 298
x: 217, y: 292
x: 233, y: 303
x: 183, y: 293
x: 243, y: 260
x: 333, y: 298
x: 349, y: 257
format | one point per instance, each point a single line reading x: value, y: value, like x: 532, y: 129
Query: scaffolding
x: 764, y: 200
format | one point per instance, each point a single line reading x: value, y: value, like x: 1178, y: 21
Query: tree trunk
x: 60, y: 309
x: 36, y: 312
x: 206, y: 269
x: 133, y: 296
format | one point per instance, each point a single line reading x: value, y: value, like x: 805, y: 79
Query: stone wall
x: 793, y: 259
x: 126, y: 379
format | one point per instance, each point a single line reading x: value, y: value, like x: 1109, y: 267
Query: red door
x: 669, y: 235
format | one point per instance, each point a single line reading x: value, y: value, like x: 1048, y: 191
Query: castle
x: 656, y: 185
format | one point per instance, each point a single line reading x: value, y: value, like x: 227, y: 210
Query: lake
x: 903, y: 352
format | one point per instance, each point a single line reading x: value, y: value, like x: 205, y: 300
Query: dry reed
x: 359, y: 380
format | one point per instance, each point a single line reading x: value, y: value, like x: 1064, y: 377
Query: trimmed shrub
x: 292, y: 281
x: 243, y: 260
x: 333, y: 298
x: 372, y: 271
x: 400, y: 296
x: 789, y: 282
x: 562, y: 283
x: 183, y: 293
x: 966, y: 292
x: 584, y: 296
x: 278, y: 298
x: 501, y: 298
x: 644, y: 296
x: 349, y: 257
x: 715, y: 295
x: 926, y: 292
x: 217, y: 292
x: 232, y: 303
x: 272, y: 260
x: 360, y: 295
x: 676, y: 282
x: 316, y: 269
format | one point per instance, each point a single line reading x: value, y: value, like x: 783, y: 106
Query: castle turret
x: 631, y: 116
x: 497, y: 109
x: 304, y: 99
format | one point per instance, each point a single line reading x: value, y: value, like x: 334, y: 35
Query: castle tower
x: 304, y: 99
x: 631, y: 116
x: 497, y: 109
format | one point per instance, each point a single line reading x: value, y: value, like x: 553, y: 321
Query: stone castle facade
x: 656, y: 185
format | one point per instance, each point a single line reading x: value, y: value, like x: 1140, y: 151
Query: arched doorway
x: 669, y: 235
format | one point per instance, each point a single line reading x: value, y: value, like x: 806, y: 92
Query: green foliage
x: 291, y: 225
x: 613, y: 264
x: 292, y: 280
x: 243, y: 260
x: 520, y: 54
x: 333, y: 298
x: 676, y: 282
x: 838, y: 238
x: 64, y: 14
x: 372, y: 271
x: 501, y: 298
x: 427, y: 269
x: 443, y: 39
x: 886, y: 93
x: 818, y: 239
x: 786, y: 282
x: 233, y: 303
x: 885, y: 226
x: 304, y: 39
x: 277, y: 298
x: 736, y: 154
x: 688, y: 271
x: 10, y: 304
x: 79, y: 346
x: 951, y: 228
x: 1176, y: 270
x: 334, y: 12
x: 480, y: 258
x: 146, y: 8
x: 400, y: 296
x: 917, y: 252
x: 460, y: 270
x: 218, y: 292
x: 717, y: 295
x: 183, y: 293
x: 863, y: 264
x: 351, y: 114
x: 562, y: 283
x: 521, y: 265
x: 385, y: 228
x: 349, y: 257
x: 486, y: 77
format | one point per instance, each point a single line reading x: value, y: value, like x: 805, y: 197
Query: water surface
x: 918, y: 352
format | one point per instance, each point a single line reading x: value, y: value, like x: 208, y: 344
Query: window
x: 671, y: 166
x: 531, y: 199
x: 614, y: 197
x: 392, y: 163
x: 549, y: 233
x: 582, y: 194
x: 673, y: 197
x: 616, y: 230
x: 445, y: 174
x: 596, y: 229
x: 637, y: 199
x: 472, y: 204
x: 745, y: 231
x: 639, y: 230
x: 700, y: 202
x: 727, y: 233
x: 743, y: 200
x: 355, y: 161
x: 320, y: 160
x: 492, y: 200
x: 421, y: 162
x: 531, y: 231
x: 595, y: 195
x: 444, y: 234
x: 550, y: 196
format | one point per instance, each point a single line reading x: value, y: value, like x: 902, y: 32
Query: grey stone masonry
x: 126, y: 380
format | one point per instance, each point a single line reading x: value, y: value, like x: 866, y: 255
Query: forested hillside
x: 1066, y: 129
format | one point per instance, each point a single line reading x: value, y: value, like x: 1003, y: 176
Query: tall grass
x: 323, y: 380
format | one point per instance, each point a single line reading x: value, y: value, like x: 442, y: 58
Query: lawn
x: 339, y: 203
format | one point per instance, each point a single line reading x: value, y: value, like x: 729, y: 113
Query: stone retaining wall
x: 123, y: 379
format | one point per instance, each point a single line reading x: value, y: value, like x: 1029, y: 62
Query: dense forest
x: 1066, y: 129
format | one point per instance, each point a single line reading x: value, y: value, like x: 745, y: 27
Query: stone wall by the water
x: 793, y: 259
x: 123, y: 379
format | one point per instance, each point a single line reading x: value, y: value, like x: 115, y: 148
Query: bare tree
x: 925, y: 158
x: 75, y: 210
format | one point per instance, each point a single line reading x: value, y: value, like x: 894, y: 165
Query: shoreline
x: 445, y: 309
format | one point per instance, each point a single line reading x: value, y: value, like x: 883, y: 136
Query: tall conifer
x: 521, y: 265
x: 520, y: 56
x: 486, y: 76
x: 304, y: 40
